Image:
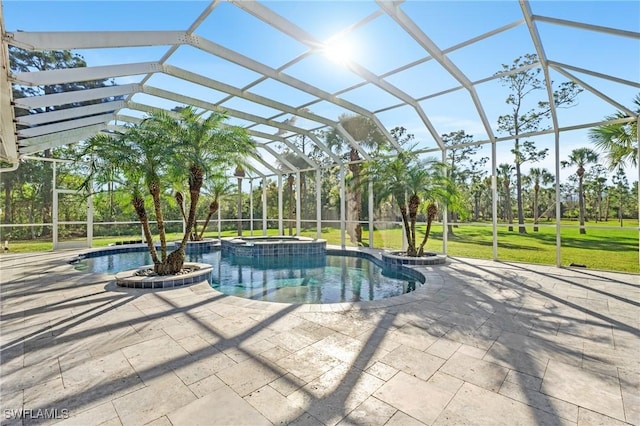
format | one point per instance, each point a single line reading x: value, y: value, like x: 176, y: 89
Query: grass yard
x: 605, y: 247
x: 602, y: 247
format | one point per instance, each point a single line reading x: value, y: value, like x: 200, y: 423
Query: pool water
x: 318, y: 279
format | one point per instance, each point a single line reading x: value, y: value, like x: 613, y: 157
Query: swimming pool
x: 327, y: 278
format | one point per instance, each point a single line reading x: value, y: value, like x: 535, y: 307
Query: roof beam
x: 67, y: 40
x: 583, y: 26
x: 65, y: 125
x: 222, y: 87
x: 279, y: 157
x: 594, y: 91
x: 8, y: 140
x: 268, y: 16
x: 411, y: 28
x: 68, y: 75
x: 77, y: 96
x: 226, y: 88
x: 128, y: 118
x: 234, y: 113
x: 542, y: 57
x: 53, y: 140
x: 266, y: 164
x: 69, y: 113
x: 555, y: 64
x: 199, y: 20
x: 246, y: 62
x: 292, y: 147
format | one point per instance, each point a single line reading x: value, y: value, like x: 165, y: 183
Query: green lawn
x: 602, y: 247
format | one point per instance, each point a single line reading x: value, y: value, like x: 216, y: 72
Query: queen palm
x: 538, y: 176
x: 580, y: 157
x: 413, y: 184
x: 618, y: 141
x: 162, y: 148
x: 365, y: 132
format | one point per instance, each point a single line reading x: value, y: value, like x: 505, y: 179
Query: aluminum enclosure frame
x: 51, y: 129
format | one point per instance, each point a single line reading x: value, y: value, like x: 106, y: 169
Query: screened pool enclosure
x: 532, y: 106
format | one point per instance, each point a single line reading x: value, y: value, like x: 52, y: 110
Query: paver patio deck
x: 482, y: 342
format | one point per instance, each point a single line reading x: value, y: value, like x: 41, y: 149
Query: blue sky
x: 380, y: 46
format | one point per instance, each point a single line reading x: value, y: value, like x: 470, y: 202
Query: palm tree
x: 290, y: 181
x: 618, y: 141
x: 133, y: 155
x: 164, y: 148
x: 538, y: 176
x: 413, y: 184
x: 203, y: 144
x: 216, y: 186
x: 240, y: 174
x: 504, y: 175
x: 580, y: 157
x: 365, y: 132
x: 295, y: 160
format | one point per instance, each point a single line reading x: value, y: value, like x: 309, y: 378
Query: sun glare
x: 339, y: 51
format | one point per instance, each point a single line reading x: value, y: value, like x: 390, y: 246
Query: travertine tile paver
x: 161, y: 421
x: 539, y: 400
x: 630, y: 385
x: 250, y: 375
x: 482, y: 373
x: 413, y: 362
x: 423, y: 400
x: 414, y: 337
x: 443, y: 348
x: 162, y: 396
x: 473, y: 405
x: 483, y: 342
x: 97, y: 415
x: 371, y: 412
x: 591, y: 418
x: 276, y: 407
x: 221, y: 407
x: 308, y: 363
x: 402, y: 419
x: 585, y: 388
x: 330, y: 397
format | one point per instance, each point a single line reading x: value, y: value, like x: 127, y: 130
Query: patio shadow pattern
x: 482, y: 342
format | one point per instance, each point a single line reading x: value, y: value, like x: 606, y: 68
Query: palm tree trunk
x: 507, y: 207
x: 290, y: 190
x: 195, y: 184
x: 521, y: 227
x: 620, y: 211
x: 213, y: 209
x: 414, y: 203
x: 138, y: 205
x: 476, y: 208
x: 535, y: 209
x: 432, y: 211
x: 154, y: 190
x: 450, y: 233
x: 356, y: 194
x: 240, y: 207
x: 176, y: 258
x: 407, y: 230
x: 581, y: 205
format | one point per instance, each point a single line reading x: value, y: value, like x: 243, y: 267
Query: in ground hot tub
x: 272, y: 246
